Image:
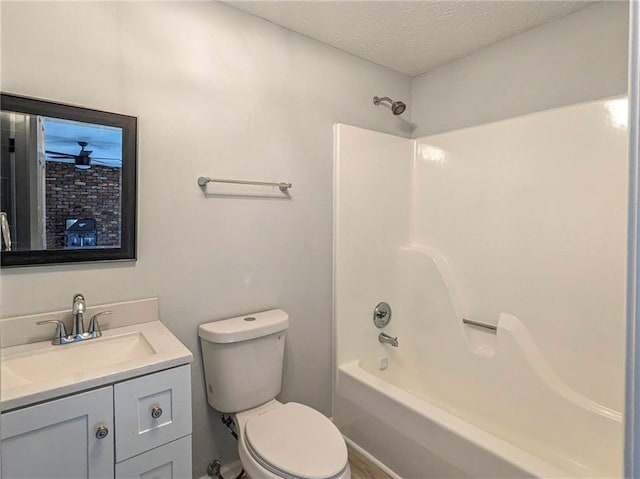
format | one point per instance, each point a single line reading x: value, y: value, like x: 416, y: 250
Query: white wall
x: 218, y: 93
x: 580, y: 57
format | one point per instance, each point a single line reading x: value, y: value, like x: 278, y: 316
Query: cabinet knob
x: 102, y: 431
x: 156, y: 412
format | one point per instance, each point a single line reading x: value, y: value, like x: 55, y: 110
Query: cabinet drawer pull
x: 102, y: 431
x: 156, y: 412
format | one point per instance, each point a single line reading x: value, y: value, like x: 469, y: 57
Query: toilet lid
x: 298, y: 441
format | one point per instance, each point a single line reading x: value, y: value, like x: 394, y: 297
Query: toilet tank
x: 243, y: 359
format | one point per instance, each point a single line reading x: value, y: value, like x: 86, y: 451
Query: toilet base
x: 256, y: 471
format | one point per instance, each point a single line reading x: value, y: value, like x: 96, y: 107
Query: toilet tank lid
x: 245, y: 327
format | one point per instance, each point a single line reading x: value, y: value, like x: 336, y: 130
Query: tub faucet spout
x: 385, y: 338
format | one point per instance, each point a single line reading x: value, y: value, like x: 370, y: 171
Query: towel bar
x: 203, y: 180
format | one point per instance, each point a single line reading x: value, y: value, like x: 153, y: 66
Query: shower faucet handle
x: 381, y: 314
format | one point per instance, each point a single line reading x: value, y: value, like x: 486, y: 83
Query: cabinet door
x: 58, y: 440
x: 171, y: 461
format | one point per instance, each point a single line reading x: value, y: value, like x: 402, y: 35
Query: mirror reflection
x: 61, y: 183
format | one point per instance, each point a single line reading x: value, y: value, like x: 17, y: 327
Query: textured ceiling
x: 410, y: 37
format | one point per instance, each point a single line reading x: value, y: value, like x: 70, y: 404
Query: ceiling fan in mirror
x: 83, y: 159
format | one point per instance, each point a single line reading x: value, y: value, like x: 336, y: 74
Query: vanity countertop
x: 39, y: 371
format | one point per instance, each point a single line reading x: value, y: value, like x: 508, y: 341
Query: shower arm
x: 377, y: 100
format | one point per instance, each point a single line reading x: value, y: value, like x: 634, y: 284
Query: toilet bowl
x: 243, y: 359
x: 290, y: 441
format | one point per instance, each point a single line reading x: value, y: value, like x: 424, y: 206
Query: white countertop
x: 160, y: 350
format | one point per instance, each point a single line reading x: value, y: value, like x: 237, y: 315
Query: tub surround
x: 520, y: 224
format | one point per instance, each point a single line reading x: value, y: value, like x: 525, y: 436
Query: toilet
x: 243, y: 359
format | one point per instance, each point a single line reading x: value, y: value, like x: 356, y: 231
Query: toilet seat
x: 296, y: 442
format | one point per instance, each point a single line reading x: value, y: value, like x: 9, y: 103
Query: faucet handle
x: 94, y: 326
x: 61, y: 330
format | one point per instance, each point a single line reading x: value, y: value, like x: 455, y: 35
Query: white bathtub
x: 417, y: 438
x: 460, y: 401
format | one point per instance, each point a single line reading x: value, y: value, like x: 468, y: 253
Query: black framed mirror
x: 67, y: 183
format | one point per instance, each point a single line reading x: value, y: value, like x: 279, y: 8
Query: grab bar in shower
x: 479, y: 324
x: 203, y: 180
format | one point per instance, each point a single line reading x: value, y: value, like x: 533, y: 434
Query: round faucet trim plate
x: 382, y: 314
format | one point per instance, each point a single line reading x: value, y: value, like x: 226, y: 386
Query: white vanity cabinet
x: 138, y: 428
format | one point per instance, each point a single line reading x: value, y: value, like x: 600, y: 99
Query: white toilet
x: 243, y: 360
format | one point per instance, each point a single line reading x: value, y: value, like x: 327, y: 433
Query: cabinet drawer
x: 152, y: 410
x: 171, y: 461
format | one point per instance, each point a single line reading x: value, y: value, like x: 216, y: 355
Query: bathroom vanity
x: 115, y: 406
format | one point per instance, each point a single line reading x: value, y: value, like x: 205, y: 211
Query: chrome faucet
x: 78, y: 334
x: 385, y: 338
x: 79, y: 308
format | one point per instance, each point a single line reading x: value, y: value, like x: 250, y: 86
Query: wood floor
x: 362, y: 468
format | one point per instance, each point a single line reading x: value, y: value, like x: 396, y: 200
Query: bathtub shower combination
x: 519, y: 225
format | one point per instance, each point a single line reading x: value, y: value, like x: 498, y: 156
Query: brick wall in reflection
x: 82, y: 194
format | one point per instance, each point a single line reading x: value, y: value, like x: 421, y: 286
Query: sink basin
x: 40, y: 371
x: 56, y: 362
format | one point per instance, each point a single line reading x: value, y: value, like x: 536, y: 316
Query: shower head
x: 397, y: 107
